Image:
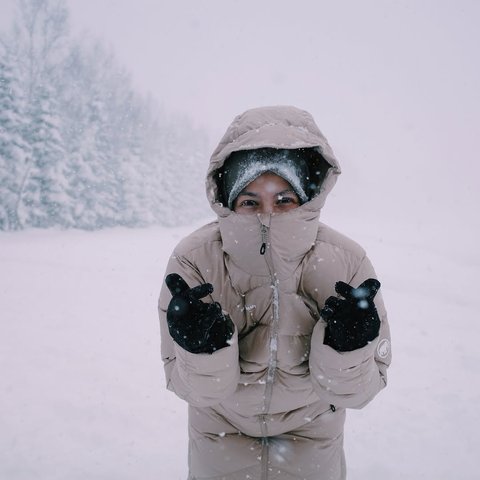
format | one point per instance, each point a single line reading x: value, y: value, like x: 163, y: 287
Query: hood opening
x: 317, y: 168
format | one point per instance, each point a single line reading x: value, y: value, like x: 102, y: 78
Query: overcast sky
x: 394, y: 85
x: 397, y: 63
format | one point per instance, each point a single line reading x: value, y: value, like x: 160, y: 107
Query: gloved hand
x: 196, y: 326
x: 353, y: 321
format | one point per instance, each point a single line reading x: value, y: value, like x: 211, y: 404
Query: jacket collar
x: 287, y: 236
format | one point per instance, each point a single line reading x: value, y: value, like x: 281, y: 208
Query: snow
x: 82, y: 390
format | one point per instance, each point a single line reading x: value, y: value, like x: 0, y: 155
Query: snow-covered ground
x: 82, y: 392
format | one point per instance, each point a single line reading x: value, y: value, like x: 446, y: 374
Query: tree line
x: 79, y: 148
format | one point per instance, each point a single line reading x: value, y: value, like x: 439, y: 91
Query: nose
x: 267, y: 207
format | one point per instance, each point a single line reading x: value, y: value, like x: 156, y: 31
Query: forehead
x: 268, y: 182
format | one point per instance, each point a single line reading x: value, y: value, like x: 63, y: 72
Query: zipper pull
x: 263, y: 247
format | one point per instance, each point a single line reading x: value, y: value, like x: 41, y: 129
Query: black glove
x: 352, y: 322
x: 196, y: 326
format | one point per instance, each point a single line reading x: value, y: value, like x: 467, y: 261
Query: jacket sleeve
x: 352, y: 379
x: 201, y: 379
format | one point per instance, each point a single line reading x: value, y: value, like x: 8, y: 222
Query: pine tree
x: 14, y: 152
x: 43, y: 201
x: 83, y: 114
x: 37, y: 42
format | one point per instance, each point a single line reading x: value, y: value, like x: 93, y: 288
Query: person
x: 272, y: 323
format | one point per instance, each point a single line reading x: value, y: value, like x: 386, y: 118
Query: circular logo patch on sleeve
x: 383, y: 348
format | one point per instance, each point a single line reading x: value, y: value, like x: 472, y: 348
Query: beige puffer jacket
x: 272, y: 404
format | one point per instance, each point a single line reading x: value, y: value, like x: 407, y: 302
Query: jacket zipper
x: 264, y: 233
x: 273, y: 347
x: 272, y: 359
x: 273, y: 344
x: 273, y: 350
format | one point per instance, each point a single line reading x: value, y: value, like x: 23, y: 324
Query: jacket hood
x: 281, y: 127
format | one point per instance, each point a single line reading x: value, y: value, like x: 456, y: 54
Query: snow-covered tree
x: 37, y: 43
x: 14, y: 151
x: 40, y: 40
x: 43, y: 201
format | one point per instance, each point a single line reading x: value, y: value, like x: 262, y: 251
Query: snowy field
x: 82, y: 387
